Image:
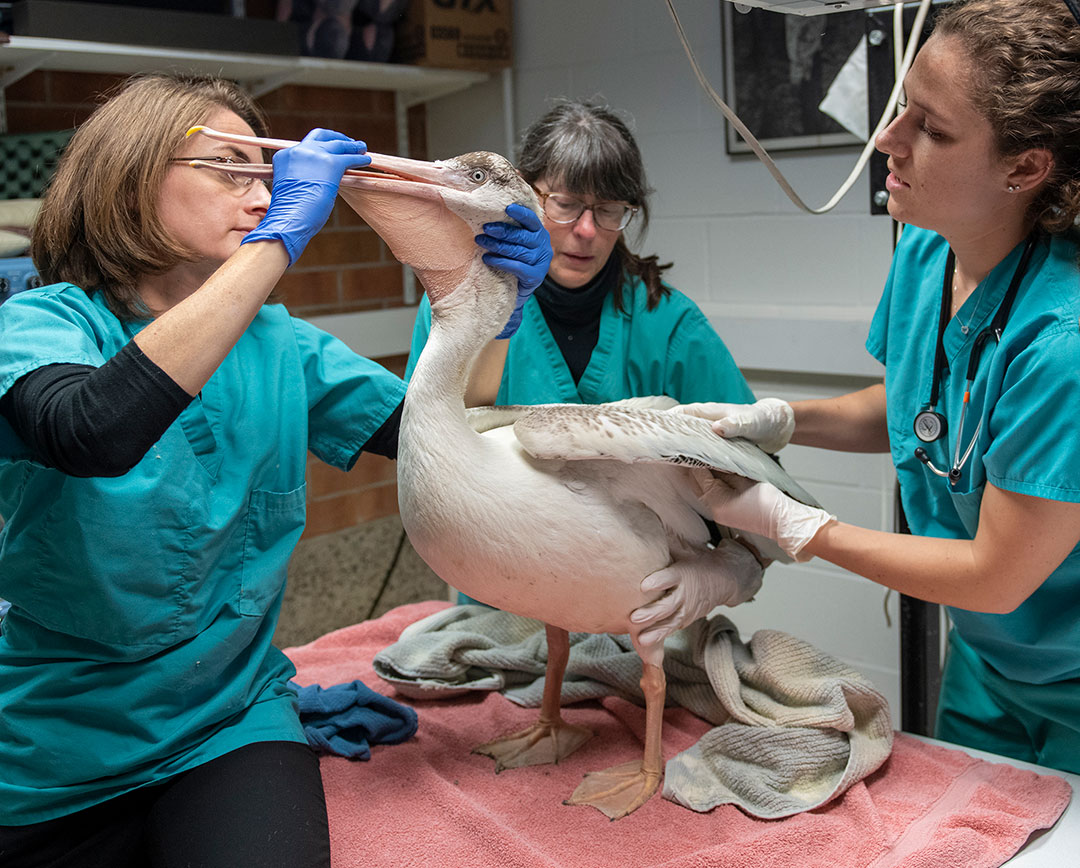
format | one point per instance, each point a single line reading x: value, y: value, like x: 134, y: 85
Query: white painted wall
x: 791, y: 294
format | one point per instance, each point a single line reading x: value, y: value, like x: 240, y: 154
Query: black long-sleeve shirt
x: 100, y: 421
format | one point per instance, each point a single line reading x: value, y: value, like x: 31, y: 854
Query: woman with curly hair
x: 978, y: 332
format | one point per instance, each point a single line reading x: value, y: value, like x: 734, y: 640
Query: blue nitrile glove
x: 524, y: 251
x: 306, y: 180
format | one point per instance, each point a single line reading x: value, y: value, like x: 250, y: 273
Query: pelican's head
x: 429, y: 213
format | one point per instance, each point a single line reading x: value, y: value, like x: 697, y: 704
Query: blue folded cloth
x: 346, y: 718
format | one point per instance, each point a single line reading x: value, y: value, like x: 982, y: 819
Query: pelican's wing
x: 649, y: 402
x: 483, y: 419
x: 575, y: 432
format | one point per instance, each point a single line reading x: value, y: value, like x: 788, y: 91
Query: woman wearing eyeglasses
x: 603, y: 325
x: 155, y: 419
x: 978, y: 332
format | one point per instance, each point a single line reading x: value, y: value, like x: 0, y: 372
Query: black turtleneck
x: 573, y: 315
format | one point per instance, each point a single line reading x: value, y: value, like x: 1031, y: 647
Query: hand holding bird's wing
x: 760, y: 508
x: 769, y: 422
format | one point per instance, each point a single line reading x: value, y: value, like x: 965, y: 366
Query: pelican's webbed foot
x: 616, y: 791
x: 542, y: 743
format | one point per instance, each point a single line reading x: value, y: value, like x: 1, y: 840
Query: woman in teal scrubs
x: 155, y: 418
x: 603, y: 325
x: 981, y: 425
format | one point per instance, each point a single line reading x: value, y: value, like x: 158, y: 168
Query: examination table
x: 430, y: 802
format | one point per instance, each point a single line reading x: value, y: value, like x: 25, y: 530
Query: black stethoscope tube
x: 930, y: 425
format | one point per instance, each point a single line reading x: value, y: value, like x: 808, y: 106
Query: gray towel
x: 793, y: 727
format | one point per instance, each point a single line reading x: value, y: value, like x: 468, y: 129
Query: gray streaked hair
x: 585, y: 148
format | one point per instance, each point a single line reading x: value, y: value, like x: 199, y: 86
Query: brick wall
x: 345, y: 268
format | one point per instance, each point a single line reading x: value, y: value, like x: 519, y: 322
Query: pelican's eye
x: 478, y: 175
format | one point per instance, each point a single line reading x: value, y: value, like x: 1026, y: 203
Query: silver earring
x: 1013, y: 188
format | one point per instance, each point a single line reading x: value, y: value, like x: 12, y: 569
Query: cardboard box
x: 456, y: 34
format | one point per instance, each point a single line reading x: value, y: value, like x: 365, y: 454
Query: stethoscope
x: 930, y: 425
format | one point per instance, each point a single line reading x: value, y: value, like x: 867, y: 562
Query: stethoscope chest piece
x: 930, y: 426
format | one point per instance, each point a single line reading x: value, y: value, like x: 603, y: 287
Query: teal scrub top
x: 138, y: 641
x: 671, y: 350
x: 1026, y: 393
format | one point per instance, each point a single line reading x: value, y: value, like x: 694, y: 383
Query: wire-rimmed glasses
x: 562, y: 208
x: 242, y: 183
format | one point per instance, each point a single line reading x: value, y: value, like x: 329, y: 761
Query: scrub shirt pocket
x: 274, y: 522
x: 967, y: 506
x: 110, y: 559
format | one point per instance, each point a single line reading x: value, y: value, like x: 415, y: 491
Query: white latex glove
x: 725, y: 576
x: 760, y: 508
x: 769, y: 422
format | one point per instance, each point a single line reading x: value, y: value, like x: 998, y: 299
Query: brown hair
x: 588, y: 149
x: 1025, y: 69
x: 99, y: 226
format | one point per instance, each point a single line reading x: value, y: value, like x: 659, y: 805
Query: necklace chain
x: 966, y: 327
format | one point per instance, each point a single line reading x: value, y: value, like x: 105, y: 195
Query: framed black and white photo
x: 777, y: 70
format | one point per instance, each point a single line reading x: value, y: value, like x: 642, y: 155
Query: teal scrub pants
x: 979, y: 708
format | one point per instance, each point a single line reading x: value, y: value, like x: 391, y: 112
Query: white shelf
x: 260, y: 73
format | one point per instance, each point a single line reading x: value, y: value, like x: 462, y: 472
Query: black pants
x: 261, y: 806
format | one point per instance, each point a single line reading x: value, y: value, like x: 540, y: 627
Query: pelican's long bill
x: 409, y: 177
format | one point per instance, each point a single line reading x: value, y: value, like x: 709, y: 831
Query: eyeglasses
x: 560, y: 208
x: 242, y: 183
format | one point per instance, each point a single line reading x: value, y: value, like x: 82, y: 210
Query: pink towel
x: 430, y: 801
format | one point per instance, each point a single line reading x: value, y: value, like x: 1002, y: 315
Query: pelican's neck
x: 442, y: 371
x: 462, y: 322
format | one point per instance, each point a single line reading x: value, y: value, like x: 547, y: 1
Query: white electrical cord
x: 763, y: 155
